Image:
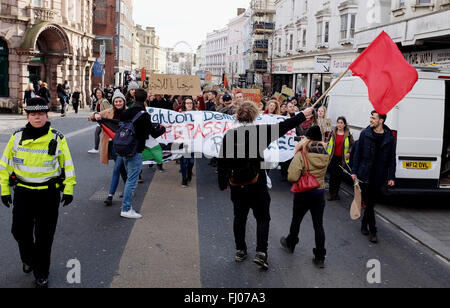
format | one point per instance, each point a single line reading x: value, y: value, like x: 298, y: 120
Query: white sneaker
x: 93, y: 151
x: 131, y: 214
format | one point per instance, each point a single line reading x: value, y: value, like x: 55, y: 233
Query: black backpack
x: 125, y: 142
x: 244, y: 172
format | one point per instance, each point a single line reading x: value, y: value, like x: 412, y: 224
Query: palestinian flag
x: 153, y: 152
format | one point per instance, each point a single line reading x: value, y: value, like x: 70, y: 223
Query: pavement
x: 185, y: 238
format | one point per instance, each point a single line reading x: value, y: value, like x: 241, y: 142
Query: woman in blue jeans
x: 187, y: 161
x: 108, y: 150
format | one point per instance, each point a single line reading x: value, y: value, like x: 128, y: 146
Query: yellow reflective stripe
x: 330, y: 146
x: 68, y: 163
x: 29, y: 169
x: 346, y: 149
x: 70, y: 174
x: 37, y: 180
x: 37, y: 188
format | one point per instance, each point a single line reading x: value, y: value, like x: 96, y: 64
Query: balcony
x: 261, y: 27
x: 261, y: 46
x: 260, y: 66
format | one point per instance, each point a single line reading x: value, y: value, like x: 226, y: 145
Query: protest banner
x: 288, y: 91
x: 208, y: 79
x: 253, y: 95
x: 174, y: 84
x: 202, y: 132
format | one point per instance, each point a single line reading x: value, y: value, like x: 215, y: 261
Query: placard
x: 187, y: 85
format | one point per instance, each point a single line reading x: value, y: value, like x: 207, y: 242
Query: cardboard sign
x: 174, y: 84
x: 288, y: 91
x: 253, y: 95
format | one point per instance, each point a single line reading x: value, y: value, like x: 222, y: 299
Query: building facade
x: 421, y: 29
x: 149, y: 49
x: 113, y: 27
x: 313, y: 43
x: 44, y: 40
x: 237, y: 47
x: 215, y: 54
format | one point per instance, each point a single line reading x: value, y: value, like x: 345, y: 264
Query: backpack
x: 125, y: 142
x: 244, y: 172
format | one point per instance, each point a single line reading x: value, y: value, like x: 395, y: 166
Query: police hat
x: 227, y: 97
x: 37, y: 104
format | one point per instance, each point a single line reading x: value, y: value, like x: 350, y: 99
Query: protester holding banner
x: 107, y: 149
x: 187, y: 161
x: 212, y: 101
x: 311, y: 158
x: 227, y: 106
x: 101, y: 104
x: 273, y: 107
x: 246, y: 178
x: 143, y: 127
x: 339, y: 147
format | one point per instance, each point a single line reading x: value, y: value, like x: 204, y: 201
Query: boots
x: 319, y: 257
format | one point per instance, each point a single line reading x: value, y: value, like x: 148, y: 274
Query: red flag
x: 225, y: 82
x: 388, y: 76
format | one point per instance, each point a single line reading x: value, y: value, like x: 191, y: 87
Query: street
x: 185, y: 238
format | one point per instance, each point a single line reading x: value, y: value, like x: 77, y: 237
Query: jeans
x: 186, y: 166
x: 133, y: 166
x: 313, y: 201
x: 254, y: 197
x: 119, y: 170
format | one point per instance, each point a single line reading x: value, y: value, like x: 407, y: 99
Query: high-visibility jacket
x: 346, y: 147
x: 30, y: 161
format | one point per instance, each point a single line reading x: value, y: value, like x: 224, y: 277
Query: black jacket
x: 364, y: 164
x: 143, y: 126
x: 257, y: 139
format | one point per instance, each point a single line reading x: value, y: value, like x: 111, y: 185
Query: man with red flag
x: 389, y: 77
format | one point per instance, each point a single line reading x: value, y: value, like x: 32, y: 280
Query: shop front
x: 282, y: 74
x: 312, y: 76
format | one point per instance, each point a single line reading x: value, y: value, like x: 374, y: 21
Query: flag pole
x: 332, y: 86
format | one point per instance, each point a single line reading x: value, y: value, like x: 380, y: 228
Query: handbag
x: 307, y: 181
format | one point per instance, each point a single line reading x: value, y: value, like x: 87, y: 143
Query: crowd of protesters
x: 321, y: 149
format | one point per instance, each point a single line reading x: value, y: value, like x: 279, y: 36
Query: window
x: 291, y: 42
x: 37, y: 3
x: 237, y: 50
x: 279, y: 45
x: 327, y: 31
x: 319, y: 32
x: 344, y: 21
x: 304, y: 38
x: 402, y: 3
x: 352, y: 26
x: 423, y: 1
x: 348, y: 26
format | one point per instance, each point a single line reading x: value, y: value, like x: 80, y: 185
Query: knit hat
x: 133, y: 85
x: 37, y: 104
x: 118, y: 94
x: 314, y: 133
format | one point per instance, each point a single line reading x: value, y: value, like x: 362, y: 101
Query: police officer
x: 38, y: 164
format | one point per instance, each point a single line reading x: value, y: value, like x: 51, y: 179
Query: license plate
x: 417, y: 165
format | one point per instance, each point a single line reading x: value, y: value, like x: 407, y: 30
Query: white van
x: 421, y: 125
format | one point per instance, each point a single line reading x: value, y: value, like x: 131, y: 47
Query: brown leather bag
x: 307, y: 181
